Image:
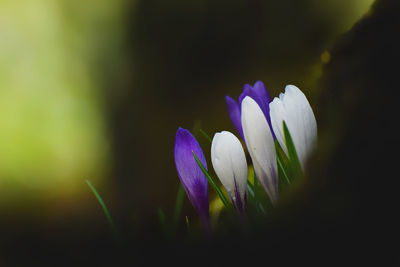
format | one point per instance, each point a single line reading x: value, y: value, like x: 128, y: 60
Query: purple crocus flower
x: 258, y: 93
x: 192, y: 178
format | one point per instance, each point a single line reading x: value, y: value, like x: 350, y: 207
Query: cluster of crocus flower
x: 259, y: 123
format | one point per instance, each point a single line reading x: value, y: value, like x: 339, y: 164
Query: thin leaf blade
x: 282, y: 168
x: 294, y: 161
x: 205, y: 135
x: 105, y: 209
x: 212, y: 183
x: 178, y: 204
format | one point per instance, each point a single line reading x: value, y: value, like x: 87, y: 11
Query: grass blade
x: 250, y: 189
x: 255, y: 196
x: 213, y: 184
x: 205, y: 135
x: 282, y: 169
x: 103, y: 205
x: 163, y: 222
x: 187, y: 224
x: 162, y: 217
x: 178, y: 204
x: 294, y: 161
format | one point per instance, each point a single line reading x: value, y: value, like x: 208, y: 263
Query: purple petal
x: 246, y: 92
x: 192, y: 178
x: 263, y: 99
x: 260, y: 94
x: 239, y: 204
x: 234, y: 114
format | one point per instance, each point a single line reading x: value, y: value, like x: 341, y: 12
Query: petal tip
x: 228, y: 97
x: 181, y: 132
x: 247, y: 100
x: 259, y: 83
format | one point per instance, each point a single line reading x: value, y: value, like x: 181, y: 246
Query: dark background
x: 177, y: 63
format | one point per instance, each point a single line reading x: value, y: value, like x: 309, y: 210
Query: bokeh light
x: 53, y: 133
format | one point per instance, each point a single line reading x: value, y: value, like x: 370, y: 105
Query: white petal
x: 229, y: 162
x: 260, y: 143
x: 294, y: 108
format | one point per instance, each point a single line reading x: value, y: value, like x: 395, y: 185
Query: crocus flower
x: 293, y: 108
x: 259, y: 93
x: 229, y: 162
x: 192, y: 178
x: 261, y: 146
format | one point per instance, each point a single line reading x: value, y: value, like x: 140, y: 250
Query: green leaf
x: 205, y: 135
x: 282, y: 168
x: 105, y: 209
x: 187, y: 224
x: 162, y: 217
x: 250, y: 189
x: 178, y: 204
x: 294, y: 161
x: 213, y: 184
x: 257, y: 197
x: 164, y: 226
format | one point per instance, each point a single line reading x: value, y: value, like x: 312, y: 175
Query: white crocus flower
x: 229, y: 162
x: 293, y: 108
x: 261, y: 146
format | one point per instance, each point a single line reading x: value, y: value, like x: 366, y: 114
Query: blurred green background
x: 97, y: 89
